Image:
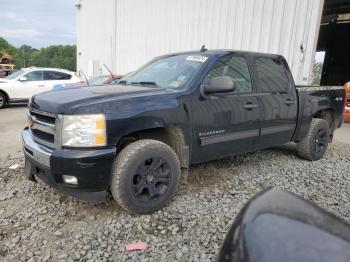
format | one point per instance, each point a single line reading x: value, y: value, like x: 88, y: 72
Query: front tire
x: 3, y: 100
x: 314, y: 145
x: 145, y: 176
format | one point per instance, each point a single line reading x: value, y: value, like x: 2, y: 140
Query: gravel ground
x: 38, y: 223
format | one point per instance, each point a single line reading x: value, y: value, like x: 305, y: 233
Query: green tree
x: 24, y: 54
x: 6, y: 47
x: 61, y: 56
x: 317, y: 73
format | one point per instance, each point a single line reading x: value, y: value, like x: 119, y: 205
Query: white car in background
x: 22, y: 85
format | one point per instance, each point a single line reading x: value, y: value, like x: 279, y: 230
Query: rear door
x: 278, y: 100
x: 55, y: 79
x: 226, y: 123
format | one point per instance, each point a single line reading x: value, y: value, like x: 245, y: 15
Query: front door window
x: 35, y: 76
x: 235, y: 67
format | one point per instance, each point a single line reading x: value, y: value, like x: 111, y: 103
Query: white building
x: 124, y: 34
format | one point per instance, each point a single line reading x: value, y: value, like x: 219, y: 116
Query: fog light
x: 70, y: 180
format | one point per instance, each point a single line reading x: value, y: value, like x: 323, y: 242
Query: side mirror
x: 22, y: 78
x: 219, y: 84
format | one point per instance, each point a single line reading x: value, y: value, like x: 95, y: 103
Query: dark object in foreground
x: 279, y: 226
x: 136, y: 138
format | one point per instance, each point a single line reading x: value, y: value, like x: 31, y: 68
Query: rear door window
x: 52, y: 75
x: 272, y: 75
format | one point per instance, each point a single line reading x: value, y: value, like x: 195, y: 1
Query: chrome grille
x: 43, y: 127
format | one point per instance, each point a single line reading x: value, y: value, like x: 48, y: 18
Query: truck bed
x: 314, y: 100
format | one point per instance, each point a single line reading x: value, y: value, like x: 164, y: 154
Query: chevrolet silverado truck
x: 137, y: 139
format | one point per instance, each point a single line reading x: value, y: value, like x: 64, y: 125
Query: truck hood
x: 95, y: 99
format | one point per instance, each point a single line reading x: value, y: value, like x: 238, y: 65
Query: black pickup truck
x: 137, y: 139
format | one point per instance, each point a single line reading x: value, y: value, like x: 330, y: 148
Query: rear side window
x: 52, y: 75
x: 272, y: 75
x: 235, y: 67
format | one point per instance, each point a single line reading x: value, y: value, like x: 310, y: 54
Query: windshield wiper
x: 144, y: 83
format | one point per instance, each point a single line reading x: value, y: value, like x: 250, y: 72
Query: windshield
x: 15, y: 74
x: 168, y: 72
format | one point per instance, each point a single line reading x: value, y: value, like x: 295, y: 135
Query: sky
x: 319, y: 57
x: 38, y: 23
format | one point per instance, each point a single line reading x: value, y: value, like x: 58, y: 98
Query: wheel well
x: 172, y: 136
x: 6, y: 95
x: 327, y: 115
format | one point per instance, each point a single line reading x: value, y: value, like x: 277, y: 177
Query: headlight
x: 84, y: 130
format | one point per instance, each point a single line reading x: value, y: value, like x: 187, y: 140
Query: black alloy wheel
x: 151, y: 180
x: 320, y: 140
x: 314, y: 145
x: 145, y: 176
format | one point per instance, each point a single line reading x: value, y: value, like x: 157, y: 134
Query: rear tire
x: 314, y: 145
x: 3, y: 100
x: 145, y: 176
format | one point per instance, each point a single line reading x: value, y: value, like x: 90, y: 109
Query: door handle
x: 250, y: 106
x: 41, y: 85
x: 289, y: 101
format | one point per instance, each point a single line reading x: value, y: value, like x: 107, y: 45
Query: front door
x: 225, y: 124
x: 33, y: 84
x: 278, y: 101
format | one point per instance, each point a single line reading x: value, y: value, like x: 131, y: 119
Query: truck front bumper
x: 91, y: 168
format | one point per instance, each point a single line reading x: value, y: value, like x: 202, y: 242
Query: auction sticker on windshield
x: 197, y: 58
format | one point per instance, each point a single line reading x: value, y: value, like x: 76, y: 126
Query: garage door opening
x: 318, y: 67
x: 334, y: 41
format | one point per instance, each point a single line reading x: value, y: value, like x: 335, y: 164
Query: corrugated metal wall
x: 95, y: 35
x: 145, y: 29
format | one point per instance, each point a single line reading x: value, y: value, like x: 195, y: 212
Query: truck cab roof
x: 213, y: 52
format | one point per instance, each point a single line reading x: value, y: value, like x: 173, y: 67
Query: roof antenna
x: 110, y: 72
x: 86, y: 80
x: 203, y: 49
